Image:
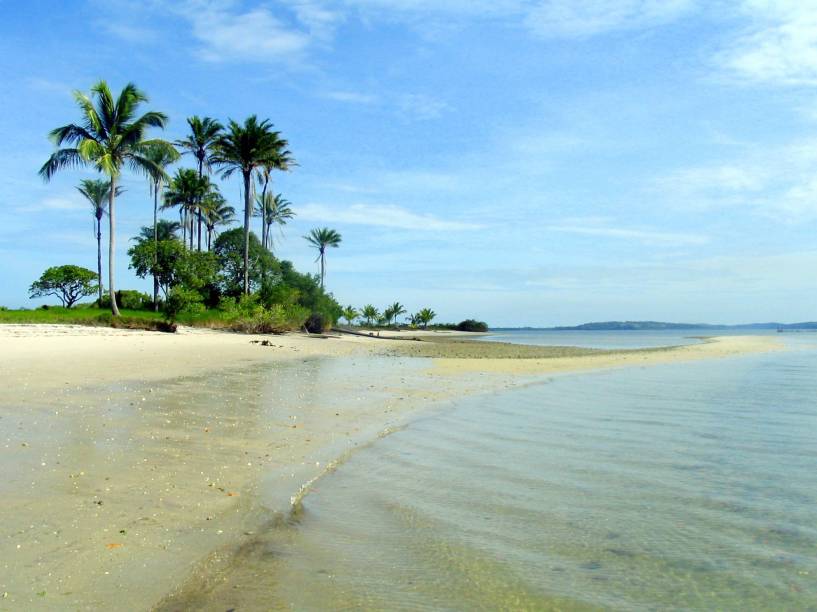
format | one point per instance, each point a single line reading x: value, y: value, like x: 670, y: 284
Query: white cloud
x: 57, y: 204
x: 256, y: 35
x: 582, y: 18
x: 777, y: 182
x: 420, y: 106
x: 381, y: 216
x: 642, y: 236
x: 779, y: 46
x: 351, y: 97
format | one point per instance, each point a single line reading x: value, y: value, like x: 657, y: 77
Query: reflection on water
x: 684, y: 486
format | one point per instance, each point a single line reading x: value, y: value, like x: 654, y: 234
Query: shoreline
x: 147, y: 458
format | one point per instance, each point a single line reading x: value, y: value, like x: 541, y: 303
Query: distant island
x: 659, y: 325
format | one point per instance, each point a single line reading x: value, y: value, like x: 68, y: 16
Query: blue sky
x: 526, y: 162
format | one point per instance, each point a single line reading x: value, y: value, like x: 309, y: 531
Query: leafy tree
x: 243, y: 148
x: 174, y: 265
x: 162, y: 157
x: 350, y: 313
x: 274, y: 210
x: 321, y: 239
x: 162, y: 259
x: 109, y: 136
x: 68, y: 283
x: 370, y: 313
x: 425, y: 316
x: 96, y: 192
x: 229, y: 249
x: 204, y: 132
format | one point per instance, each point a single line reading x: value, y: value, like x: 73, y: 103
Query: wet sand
x: 132, y: 464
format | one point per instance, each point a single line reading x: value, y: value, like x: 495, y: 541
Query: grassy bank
x: 258, y: 321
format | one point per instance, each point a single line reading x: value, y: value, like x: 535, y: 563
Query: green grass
x: 101, y: 317
x: 78, y: 315
x: 86, y: 315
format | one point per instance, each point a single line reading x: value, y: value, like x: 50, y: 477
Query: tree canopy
x: 68, y: 283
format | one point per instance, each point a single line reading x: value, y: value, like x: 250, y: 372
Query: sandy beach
x: 140, y: 462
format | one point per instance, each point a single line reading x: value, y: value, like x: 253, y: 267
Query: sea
x: 687, y: 486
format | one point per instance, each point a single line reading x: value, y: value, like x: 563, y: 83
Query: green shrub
x: 133, y: 300
x: 182, y: 301
x: 317, y: 323
x: 128, y: 299
x: 471, y: 325
x: 276, y: 319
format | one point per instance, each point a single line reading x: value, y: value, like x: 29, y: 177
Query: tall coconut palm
x: 185, y: 191
x: 109, y: 136
x: 162, y: 157
x: 370, y: 313
x: 321, y: 239
x: 244, y: 148
x: 392, y: 312
x: 425, y: 316
x: 350, y: 313
x: 215, y: 212
x: 273, y: 210
x: 164, y: 230
x: 283, y: 161
x: 204, y: 132
x: 96, y: 192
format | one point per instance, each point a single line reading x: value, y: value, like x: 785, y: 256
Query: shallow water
x: 626, y: 339
x: 687, y: 486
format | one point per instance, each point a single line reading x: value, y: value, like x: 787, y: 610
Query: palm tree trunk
x: 99, y: 256
x: 323, y: 267
x: 155, y: 245
x: 201, y: 170
x: 183, y: 221
x: 247, y: 205
x: 112, y: 247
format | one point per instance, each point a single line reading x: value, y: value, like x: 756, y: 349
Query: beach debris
x: 113, y: 545
x: 232, y: 494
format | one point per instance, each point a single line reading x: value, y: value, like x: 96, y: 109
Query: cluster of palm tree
x: 369, y: 314
x: 112, y: 136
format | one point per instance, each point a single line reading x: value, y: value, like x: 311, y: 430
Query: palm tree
x: 321, y: 238
x: 243, y: 148
x: 164, y: 230
x: 425, y: 316
x: 392, y: 312
x: 350, y: 313
x: 215, y: 212
x: 283, y: 161
x: 274, y: 210
x: 96, y: 192
x: 162, y: 157
x: 109, y: 136
x: 185, y: 190
x: 370, y: 313
x: 204, y: 132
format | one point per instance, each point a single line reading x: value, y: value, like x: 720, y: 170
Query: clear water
x: 614, y: 339
x: 690, y: 486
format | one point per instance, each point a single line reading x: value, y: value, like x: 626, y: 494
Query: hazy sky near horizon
x: 525, y: 162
